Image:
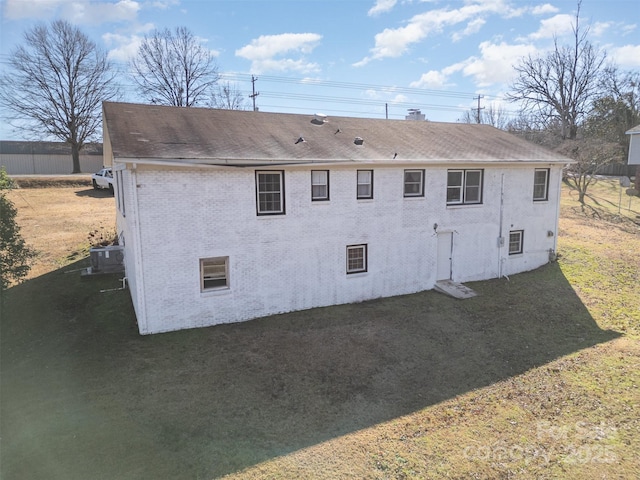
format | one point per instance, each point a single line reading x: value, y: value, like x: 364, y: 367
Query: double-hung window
x: 270, y: 192
x: 414, y: 183
x: 464, y: 187
x: 356, y: 258
x: 319, y: 185
x: 365, y: 184
x: 540, y: 184
x: 516, y: 238
x: 214, y: 273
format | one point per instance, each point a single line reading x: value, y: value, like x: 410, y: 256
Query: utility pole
x: 254, y: 94
x: 478, y: 110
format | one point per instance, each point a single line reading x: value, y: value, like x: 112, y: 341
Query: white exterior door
x: 445, y: 253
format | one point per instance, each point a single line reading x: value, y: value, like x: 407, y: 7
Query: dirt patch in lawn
x: 53, y: 181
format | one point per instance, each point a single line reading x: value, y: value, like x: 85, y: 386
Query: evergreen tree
x: 15, y: 254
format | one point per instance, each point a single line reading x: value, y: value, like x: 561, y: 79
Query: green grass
x: 537, y: 377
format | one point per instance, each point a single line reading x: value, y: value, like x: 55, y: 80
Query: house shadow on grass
x: 84, y: 396
x: 95, y: 193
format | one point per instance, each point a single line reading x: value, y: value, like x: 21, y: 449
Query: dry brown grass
x: 56, y: 221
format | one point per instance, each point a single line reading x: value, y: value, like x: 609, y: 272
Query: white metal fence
x: 47, y: 158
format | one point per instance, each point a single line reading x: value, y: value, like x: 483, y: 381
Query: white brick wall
x: 298, y: 260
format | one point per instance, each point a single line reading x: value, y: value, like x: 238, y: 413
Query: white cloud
x: 433, y: 79
x: 495, y: 64
x: 36, y: 9
x: 381, y: 6
x: 394, y: 42
x: 121, y: 47
x: 264, y: 51
x: 439, y: 79
x: 164, y: 4
x: 125, y: 48
x: 627, y: 56
x: 544, y: 9
x: 598, y: 29
x: 473, y: 26
x: 76, y: 11
x: 557, y: 26
x: 399, y: 98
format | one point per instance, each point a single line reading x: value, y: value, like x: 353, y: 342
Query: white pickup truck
x: 103, y: 179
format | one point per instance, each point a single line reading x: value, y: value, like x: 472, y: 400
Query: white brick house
x: 229, y: 215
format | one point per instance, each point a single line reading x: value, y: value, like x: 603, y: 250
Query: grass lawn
x: 536, y: 377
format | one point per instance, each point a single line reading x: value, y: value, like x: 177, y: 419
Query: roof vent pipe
x: 358, y: 141
x: 319, y: 119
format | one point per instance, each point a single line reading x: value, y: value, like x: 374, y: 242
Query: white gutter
x: 217, y: 163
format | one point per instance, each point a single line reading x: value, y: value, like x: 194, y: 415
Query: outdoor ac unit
x: 107, y: 259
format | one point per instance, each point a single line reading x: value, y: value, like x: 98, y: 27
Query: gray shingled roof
x: 635, y: 129
x: 212, y: 136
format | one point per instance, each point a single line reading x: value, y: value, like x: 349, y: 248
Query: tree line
x: 58, y: 79
x: 572, y: 99
x: 575, y: 102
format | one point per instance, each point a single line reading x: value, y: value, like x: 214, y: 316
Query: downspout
x: 500, y: 237
x: 555, y: 237
x: 142, y: 301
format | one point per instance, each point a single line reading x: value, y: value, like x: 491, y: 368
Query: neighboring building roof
x: 11, y: 147
x: 235, y: 137
x: 635, y: 129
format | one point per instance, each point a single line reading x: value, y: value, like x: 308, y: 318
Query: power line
x: 311, y: 86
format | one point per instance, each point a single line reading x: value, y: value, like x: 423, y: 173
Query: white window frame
x: 545, y: 185
x: 463, y: 188
x: 361, y: 268
x: 262, y: 194
x: 410, y: 183
x: 317, y: 183
x: 362, y: 182
x: 215, y: 274
x: 516, y: 242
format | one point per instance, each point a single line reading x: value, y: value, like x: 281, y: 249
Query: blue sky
x: 348, y: 57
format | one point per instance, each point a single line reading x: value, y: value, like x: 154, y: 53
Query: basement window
x: 515, y: 241
x: 356, y: 258
x: 214, y: 273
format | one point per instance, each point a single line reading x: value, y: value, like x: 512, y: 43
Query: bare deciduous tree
x: 618, y: 108
x: 562, y: 84
x: 173, y: 68
x: 57, y: 83
x: 591, y: 155
x: 494, y: 115
x: 228, y: 97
